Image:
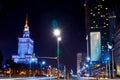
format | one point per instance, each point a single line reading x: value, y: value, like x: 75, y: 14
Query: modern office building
x: 97, y: 29
x: 79, y: 60
x: 112, y: 25
x: 25, y: 47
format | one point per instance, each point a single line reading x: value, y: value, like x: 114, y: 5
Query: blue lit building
x: 25, y: 47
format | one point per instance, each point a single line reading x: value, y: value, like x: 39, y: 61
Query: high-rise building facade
x: 112, y: 25
x: 97, y: 27
x: 25, y: 47
x: 79, y: 60
x: 25, y: 44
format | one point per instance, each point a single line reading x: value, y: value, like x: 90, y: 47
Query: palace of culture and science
x: 25, y: 47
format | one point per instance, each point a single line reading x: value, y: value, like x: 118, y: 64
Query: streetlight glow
x: 43, y: 62
x: 56, y: 32
x: 88, y: 58
x: 59, y: 39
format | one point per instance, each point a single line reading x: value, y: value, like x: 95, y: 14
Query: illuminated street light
x: 49, y: 66
x: 88, y: 59
x: 57, y: 33
x: 110, y: 47
x: 59, y: 38
x: 43, y: 62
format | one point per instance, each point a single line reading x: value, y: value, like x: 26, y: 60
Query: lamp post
x: 57, y: 33
x: 89, y: 65
x: 109, y: 71
x: 113, y: 64
x: 58, y: 50
x: 111, y: 48
x: 106, y: 68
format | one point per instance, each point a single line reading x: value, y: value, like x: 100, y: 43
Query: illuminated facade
x: 97, y: 27
x: 79, y: 60
x: 25, y: 47
x: 95, y: 44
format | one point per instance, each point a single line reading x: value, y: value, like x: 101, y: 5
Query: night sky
x: 69, y: 15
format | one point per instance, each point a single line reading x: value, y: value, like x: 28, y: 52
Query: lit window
x: 107, y: 24
x: 91, y: 27
x: 84, y: 5
x: 98, y: 8
x: 104, y: 32
x: 98, y: 12
x: 102, y: 15
x: 91, y: 9
x: 106, y: 8
x: 93, y: 21
x: 93, y: 14
x: 95, y: 7
x: 104, y: 26
x: 102, y: 0
x: 106, y: 18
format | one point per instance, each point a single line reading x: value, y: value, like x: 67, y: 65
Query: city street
x: 54, y: 78
x: 29, y: 78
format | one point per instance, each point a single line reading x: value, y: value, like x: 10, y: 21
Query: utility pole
x: 113, y: 64
x: 86, y: 25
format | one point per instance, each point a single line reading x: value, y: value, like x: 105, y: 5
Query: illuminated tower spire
x: 26, y: 22
x: 26, y: 28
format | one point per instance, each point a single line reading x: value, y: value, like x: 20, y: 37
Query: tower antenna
x: 26, y: 21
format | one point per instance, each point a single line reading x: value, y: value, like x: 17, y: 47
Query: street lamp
x: 58, y: 50
x: 57, y: 33
x: 43, y: 62
x: 110, y: 47
x: 89, y: 65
